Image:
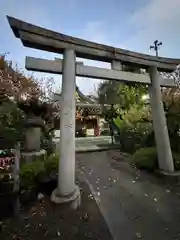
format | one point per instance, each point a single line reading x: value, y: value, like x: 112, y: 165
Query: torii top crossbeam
x: 44, y: 39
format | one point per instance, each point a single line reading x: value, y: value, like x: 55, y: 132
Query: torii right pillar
x: 165, y: 158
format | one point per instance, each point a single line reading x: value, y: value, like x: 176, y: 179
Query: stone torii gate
x: 39, y: 38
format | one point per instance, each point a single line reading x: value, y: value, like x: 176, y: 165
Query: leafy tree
x: 107, y: 92
x: 131, y: 94
x: 136, y: 117
x: 110, y: 114
x: 124, y: 95
x: 11, y: 124
x: 15, y: 86
x: 126, y: 98
x: 171, y: 100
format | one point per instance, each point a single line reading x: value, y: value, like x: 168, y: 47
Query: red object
x: 96, y: 131
x: 5, y: 161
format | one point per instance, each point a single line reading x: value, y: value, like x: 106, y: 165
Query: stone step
x: 90, y: 143
x: 90, y: 140
x: 94, y: 140
x: 95, y: 148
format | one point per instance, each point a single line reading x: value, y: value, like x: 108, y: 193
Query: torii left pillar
x: 67, y: 191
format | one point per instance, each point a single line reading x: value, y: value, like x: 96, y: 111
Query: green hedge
x: 132, y: 139
x: 31, y: 173
x: 51, y: 163
x: 146, y: 158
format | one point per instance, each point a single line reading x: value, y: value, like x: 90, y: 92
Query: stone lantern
x: 34, y: 124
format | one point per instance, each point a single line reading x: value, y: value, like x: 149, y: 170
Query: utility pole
x: 156, y: 46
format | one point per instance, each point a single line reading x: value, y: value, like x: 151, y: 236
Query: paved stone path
x: 134, y: 204
x: 89, y: 144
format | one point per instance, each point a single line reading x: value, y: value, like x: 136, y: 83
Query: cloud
x: 94, y: 31
x: 157, y: 12
x: 159, y: 19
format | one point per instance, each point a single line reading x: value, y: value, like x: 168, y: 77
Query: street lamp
x: 156, y: 46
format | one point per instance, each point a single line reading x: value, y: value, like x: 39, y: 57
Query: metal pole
x: 156, y: 46
x: 156, y: 52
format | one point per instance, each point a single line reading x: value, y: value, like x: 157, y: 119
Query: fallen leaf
x: 138, y: 235
x: 85, y: 216
x: 40, y: 196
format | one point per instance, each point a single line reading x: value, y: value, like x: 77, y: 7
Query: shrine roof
x: 80, y: 98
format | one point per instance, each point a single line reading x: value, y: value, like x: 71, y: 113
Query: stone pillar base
x: 73, y: 200
x: 169, y: 177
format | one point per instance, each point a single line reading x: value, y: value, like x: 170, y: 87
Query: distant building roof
x: 83, y: 103
x: 80, y: 97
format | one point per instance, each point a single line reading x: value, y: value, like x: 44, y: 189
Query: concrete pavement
x: 134, y: 204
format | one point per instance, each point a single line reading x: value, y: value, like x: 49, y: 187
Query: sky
x: 128, y: 24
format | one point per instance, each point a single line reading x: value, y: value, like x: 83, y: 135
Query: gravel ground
x: 40, y: 220
x: 118, y: 202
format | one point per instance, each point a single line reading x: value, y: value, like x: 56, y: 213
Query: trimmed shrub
x: 146, y: 158
x: 51, y: 163
x: 30, y: 173
x: 132, y: 138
